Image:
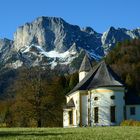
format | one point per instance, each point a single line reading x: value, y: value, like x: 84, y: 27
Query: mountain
x: 112, y: 36
x: 8, y: 57
x: 51, y: 41
x: 5, y: 48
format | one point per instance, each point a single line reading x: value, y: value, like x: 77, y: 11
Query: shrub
x: 130, y: 123
x: 2, y: 125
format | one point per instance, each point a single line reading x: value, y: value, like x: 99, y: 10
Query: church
x: 99, y: 99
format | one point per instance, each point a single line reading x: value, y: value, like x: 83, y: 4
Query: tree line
x: 34, y: 97
x: 125, y: 60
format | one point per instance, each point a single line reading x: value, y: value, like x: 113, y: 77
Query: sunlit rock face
x: 55, y: 33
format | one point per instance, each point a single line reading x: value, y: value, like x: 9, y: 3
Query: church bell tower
x: 84, y: 68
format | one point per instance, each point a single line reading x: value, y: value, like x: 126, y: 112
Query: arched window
x: 96, y: 98
x: 112, y: 97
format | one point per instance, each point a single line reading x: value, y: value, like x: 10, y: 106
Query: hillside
x: 125, y: 60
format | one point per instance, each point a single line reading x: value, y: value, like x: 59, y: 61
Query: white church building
x: 99, y: 99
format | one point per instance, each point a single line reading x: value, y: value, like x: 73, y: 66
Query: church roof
x: 104, y: 77
x: 100, y: 76
x: 86, y: 65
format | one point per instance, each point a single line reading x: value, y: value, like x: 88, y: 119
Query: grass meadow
x: 96, y: 133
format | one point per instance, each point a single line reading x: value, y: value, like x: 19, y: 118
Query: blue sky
x: 99, y: 14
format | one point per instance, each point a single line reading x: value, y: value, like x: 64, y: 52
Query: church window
x: 132, y: 111
x: 76, y: 115
x: 70, y: 117
x: 96, y: 98
x: 124, y: 110
x: 112, y: 97
x: 96, y: 115
x: 112, y: 114
x: 89, y: 116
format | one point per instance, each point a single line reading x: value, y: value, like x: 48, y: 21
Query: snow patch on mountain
x: 56, y: 57
x: 55, y: 54
x: 15, y: 64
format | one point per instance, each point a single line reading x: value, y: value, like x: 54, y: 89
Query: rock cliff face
x: 56, y: 34
x: 8, y: 55
x: 49, y: 41
x: 112, y: 36
x: 6, y: 47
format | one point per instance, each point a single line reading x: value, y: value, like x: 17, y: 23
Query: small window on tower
x: 112, y: 97
x: 96, y: 98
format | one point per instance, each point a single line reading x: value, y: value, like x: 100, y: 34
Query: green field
x: 96, y: 133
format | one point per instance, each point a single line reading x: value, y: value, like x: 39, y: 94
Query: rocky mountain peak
x: 5, y: 43
x: 89, y: 30
x: 49, y: 32
x: 5, y: 40
x: 111, y: 29
x: 48, y: 41
x: 49, y: 22
x: 112, y: 36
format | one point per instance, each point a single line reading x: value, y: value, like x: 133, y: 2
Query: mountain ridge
x: 49, y: 41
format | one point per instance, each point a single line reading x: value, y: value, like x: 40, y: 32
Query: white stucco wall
x: 65, y: 118
x: 104, y: 103
x: 137, y: 112
x: 66, y: 122
x: 82, y: 75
